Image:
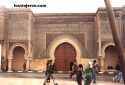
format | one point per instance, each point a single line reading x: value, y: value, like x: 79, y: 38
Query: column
x: 102, y: 64
x: 4, y: 50
x: 100, y: 57
x: 27, y: 65
x: 29, y: 43
x: 28, y: 61
x: 9, y: 65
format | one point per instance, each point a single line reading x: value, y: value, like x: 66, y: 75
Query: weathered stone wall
x: 38, y: 65
x: 106, y: 34
x: 2, y: 24
x: 83, y: 31
x: 18, y: 25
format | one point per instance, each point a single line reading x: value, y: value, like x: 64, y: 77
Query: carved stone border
x: 61, y: 39
x: 14, y: 46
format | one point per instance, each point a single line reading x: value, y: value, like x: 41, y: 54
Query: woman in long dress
x: 88, y: 75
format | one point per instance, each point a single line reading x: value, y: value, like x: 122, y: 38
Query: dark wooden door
x: 64, y: 54
x: 18, y: 59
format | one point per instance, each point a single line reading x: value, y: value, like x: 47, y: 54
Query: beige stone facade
x: 36, y: 36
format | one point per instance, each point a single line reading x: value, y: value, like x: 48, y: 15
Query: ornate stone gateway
x: 64, y: 54
x: 18, y: 58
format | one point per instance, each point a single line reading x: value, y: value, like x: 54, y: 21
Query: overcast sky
x: 63, y: 6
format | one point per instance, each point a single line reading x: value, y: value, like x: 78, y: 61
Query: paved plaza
x: 31, y: 81
x: 38, y: 79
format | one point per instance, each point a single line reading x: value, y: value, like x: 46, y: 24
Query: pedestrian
x: 24, y: 66
x: 118, y: 74
x: 49, y: 70
x: 74, y: 69
x: 71, y: 64
x: 88, y: 75
x: 79, y: 74
x: 95, y: 69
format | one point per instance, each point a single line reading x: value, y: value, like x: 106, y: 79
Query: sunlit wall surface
x: 0, y: 53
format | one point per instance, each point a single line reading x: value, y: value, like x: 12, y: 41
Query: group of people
x: 87, y: 74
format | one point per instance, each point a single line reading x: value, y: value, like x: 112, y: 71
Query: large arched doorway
x: 111, y: 57
x: 64, y: 54
x: 18, y: 59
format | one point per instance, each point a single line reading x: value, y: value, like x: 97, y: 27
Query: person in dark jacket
x: 94, y: 68
x: 49, y: 70
x: 79, y: 74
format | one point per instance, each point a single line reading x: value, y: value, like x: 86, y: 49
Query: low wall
x: 38, y: 65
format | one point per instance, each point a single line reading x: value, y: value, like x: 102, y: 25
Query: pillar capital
x: 28, y: 58
x: 10, y: 58
x: 28, y: 61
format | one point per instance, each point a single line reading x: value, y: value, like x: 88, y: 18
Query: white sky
x: 63, y: 6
